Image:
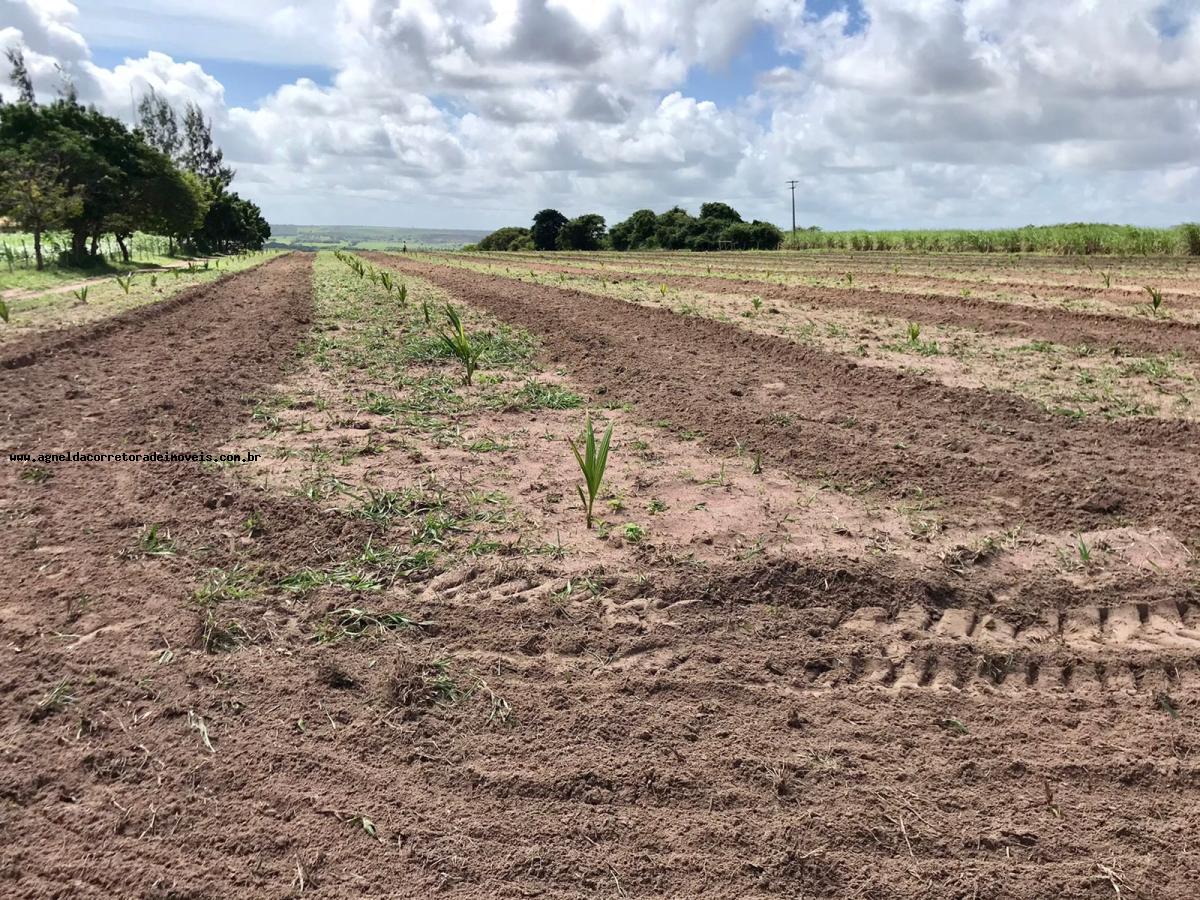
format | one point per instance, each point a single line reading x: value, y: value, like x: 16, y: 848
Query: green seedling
x: 125, y: 282
x: 81, y: 294
x: 3, y: 311
x: 460, y: 345
x: 1084, y: 551
x: 1156, y: 299
x: 152, y: 543
x: 914, y: 333
x: 592, y: 462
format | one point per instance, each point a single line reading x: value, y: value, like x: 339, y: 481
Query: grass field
x: 18, y: 270
x: 891, y: 588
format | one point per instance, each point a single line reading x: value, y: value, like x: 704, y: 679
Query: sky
x: 478, y: 113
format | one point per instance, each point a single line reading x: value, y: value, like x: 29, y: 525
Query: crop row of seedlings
x: 100, y: 299
x: 1072, y: 381
x: 896, y: 271
x: 1133, y: 294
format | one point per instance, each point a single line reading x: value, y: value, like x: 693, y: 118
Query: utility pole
x: 793, y: 184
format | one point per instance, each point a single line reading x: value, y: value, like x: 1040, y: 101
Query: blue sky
x: 246, y: 83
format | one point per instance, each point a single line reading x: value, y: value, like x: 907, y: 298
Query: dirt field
x: 894, y: 591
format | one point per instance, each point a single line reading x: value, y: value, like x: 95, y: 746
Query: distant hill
x: 369, y: 237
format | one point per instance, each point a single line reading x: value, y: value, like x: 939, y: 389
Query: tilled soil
x: 1123, y: 333
x: 824, y: 416
x: 785, y: 728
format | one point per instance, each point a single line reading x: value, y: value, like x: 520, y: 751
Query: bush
x: 510, y: 238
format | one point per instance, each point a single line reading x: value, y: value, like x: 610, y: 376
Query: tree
x: 636, y: 232
x: 583, y: 233
x: 33, y: 194
x: 160, y: 199
x: 673, y: 228
x: 754, y: 235
x: 721, y: 211
x: 231, y: 223
x: 159, y: 124
x: 200, y: 154
x: 19, y: 76
x: 546, y: 226
x: 510, y: 238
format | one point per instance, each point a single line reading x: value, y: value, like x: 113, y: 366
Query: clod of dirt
x: 1103, y: 501
x: 334, y: 676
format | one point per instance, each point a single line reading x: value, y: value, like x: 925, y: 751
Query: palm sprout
x: 460, y: 345
x: 592, y: 462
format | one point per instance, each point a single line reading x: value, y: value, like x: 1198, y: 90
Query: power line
x: 793, y: 184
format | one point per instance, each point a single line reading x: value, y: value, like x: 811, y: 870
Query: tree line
x: 718, y: 227
x: 67, y: 167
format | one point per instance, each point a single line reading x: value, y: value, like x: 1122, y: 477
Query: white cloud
x: 478, y: 112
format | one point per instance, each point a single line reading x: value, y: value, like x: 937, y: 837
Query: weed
x: 225, y: 585
x: 366, y: 825
x: 58, y: 697
x: 255, y: 525
x: 633, y: 533
x: 592, y: 462
x: 196, y: 723
x: 152, y: 543
x: 351, y: 622
x: 536, y: 395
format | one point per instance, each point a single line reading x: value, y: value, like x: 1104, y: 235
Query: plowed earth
x: 1043, y: 321
x: 776, y: 725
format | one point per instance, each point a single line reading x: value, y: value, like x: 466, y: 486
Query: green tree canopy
x: 546, y: 226
x: 511, y: 238
x: 585, y: 232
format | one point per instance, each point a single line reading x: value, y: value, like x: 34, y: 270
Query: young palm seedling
x: 461, y: 346
x: 81, y: 294
x: 592, y: 462
x: 125, y: 282
x: 1156, y: 299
